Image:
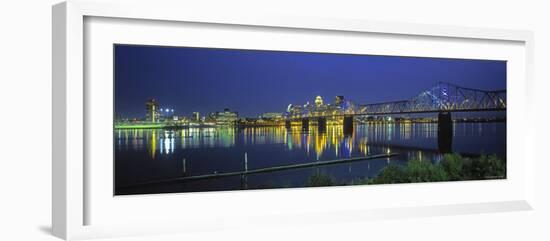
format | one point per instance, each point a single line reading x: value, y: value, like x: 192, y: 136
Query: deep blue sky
x: 256, y: 81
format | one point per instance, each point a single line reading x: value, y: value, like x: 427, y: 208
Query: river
x: 143, y: 155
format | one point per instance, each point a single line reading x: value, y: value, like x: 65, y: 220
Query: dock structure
x: 267, y: 169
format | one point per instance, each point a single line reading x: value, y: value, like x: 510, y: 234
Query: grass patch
x: 453, y: 167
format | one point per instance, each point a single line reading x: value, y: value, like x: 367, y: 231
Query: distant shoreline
x: 127, y: 126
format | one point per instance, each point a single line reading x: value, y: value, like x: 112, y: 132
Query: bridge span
x: 443, y: 99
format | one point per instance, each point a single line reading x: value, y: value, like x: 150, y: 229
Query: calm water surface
x: 146, y: 155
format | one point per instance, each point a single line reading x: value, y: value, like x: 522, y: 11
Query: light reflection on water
x: 148, y: 154
x: 159, y: 141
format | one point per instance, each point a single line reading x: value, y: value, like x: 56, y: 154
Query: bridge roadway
x: 396, y: 113
x: 442, y: 98
x: 444, y: 128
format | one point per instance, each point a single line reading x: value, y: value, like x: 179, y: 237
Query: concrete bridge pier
x: 445, y: 132
x: 305, y: 123
x: 322, y: 124
x: 288, y: 124
x: 348, y: 125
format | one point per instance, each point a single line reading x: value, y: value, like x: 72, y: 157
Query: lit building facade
x: 318, y: 109
x: 152, y: 110
x: 225, y: 117
x: 294, y: 111
x: 339, y: 101
x: 272, y: 116
x: 196, y: 116
x: 318, y: 101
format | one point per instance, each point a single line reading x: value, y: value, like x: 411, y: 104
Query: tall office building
x: 318, y: 101
x: 196, y: 116
x: 339, y: 100
x: 152, y: 110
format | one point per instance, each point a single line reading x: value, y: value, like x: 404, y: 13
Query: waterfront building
x: 295, y: 111
x: 152, y: 110
x: 318, y: 101
x: 339, y: 100
x: 272, y: 116
x: 196, y: 116
x: 318, y: 109
x: 225, y: 117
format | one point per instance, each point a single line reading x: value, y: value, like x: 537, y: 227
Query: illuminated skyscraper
x: 318, y: 101
x: 152, y: 110
x: 196, y: 116
x: 339, y: 100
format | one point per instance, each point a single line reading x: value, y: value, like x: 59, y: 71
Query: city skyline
x: 253, y: 82
x: 168, y: 111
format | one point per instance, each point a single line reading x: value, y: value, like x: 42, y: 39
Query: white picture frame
x: 72, y: 188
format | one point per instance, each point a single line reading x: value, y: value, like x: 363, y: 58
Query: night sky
x: 257, y: 81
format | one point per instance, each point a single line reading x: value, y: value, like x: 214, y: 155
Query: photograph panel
x: 191, y: 119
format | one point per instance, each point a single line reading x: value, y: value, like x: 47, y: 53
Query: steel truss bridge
x: 443, y: 97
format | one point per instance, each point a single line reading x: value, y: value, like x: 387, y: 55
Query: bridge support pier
x: 348, y: 125
x: 305, y: 123
x: 444, y: 132
x: 322, y: 124
x: 288, y: 124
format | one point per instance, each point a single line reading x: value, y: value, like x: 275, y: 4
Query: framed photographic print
x: 280, y: 118
x: 265, y: 123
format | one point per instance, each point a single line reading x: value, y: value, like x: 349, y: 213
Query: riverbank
x: 120, y: 126
x: 453, y: 167
x: 139, y: 126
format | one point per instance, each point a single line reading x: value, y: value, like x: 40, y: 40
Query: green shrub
x: 452, y: 167
x: 497, y: 167
x: 390, y: 174
x: 486, y: 167
x: 425, y: 171
x: 414, y: 171
x: 452, y: 164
